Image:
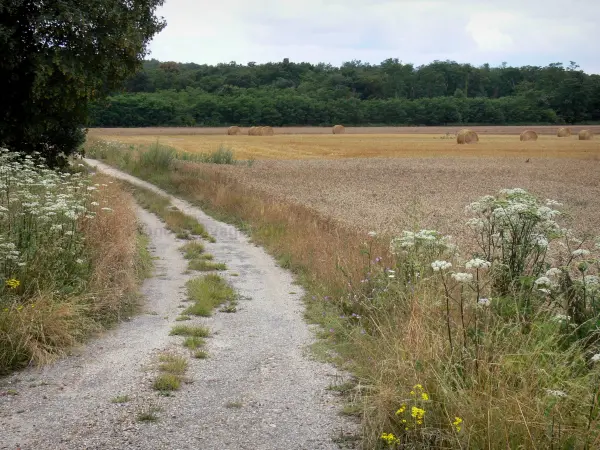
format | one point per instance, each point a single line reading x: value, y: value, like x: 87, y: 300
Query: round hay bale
x: 564, y: 132
x: 585, y: 135
x: 267, y: 131
x: 529, y: 135
x: 234, y: 131
x: 252, y: 131
x: 467, y: 137
x: 260, y: 131
x: 339, y: 129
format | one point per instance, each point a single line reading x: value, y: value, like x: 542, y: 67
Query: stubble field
x: 390, y: 182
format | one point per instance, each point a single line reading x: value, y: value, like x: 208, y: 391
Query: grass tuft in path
x: 207, y: 293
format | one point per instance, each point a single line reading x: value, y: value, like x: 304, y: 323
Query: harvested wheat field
x: 549, y: 130
x: 330, y: 146
x: 389, y: 195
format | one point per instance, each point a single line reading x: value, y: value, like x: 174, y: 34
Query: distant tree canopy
x: 57, y: 56
x: 390, y: 93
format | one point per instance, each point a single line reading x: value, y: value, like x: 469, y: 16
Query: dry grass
x: 113, y: 279
x: 329, y: 146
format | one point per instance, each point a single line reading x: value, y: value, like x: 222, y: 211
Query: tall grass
x: 70, y: 258
x: 498, y: 349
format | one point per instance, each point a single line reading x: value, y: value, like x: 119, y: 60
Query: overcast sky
x: 525, y: 32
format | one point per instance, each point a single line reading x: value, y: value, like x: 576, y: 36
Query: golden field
x: 319, y: 143
x: 390, y: 182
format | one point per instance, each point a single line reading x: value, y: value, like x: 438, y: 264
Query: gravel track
x: 258, y: 389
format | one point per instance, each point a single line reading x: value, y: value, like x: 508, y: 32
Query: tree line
x: 356, y: 93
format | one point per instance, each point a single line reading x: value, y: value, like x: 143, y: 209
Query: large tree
x: 56, y: 57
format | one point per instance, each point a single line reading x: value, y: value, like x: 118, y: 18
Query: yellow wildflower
x: 425, y: 396
x: 12, y: 283
x: 418, y: 386
x: 401, y: 410
x: 418, y: 414
x: 412, y: 393
x: 389, y: 438
x: 456, y: 423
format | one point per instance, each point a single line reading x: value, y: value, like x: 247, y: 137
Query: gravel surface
x: 259, y: 389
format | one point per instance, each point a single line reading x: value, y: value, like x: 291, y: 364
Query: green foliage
x: 184, y: 330
x: 59, y: 56
x: 390, y: 93
x: 207, y: 293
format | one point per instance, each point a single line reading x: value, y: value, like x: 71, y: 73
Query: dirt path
x: 258, y: 389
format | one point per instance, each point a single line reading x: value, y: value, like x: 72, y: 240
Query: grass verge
x: 72, y: 259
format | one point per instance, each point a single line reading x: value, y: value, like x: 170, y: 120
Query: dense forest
x: 390, y: 93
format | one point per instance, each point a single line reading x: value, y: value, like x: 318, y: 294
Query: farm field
x: 392, y: 194
x: 361, y: 142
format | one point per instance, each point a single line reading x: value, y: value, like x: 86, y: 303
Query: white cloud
x: 534, y: 32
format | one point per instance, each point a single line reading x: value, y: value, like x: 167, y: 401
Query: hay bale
x: 252, y: 131
x: 339, y: 129
x: 267, y: 131
x: 529, y: 135
x: 585, y: 135
x: 467, y: 137
x: 564, y: 132
x: 234, y: 131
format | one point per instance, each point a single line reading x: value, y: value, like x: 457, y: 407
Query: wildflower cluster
x: 42, y: 212
x: 514, y: 229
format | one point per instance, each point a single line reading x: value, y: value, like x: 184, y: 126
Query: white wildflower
x: 514, y: 191
x: 543, y: 281
x: 461, y: 277
x: 595, y: 358
x: 484, y: 301
x: 580, y: 252
x: 591, y: 279
x: 95, y: 204
x: 561, y: 318
x: 477, y: 263
x: 79, y: 261
x: 476, y: 224
x: 556, y: 393
x: 553, y: 272
x: 540, y: 241
x: 440, y: 265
